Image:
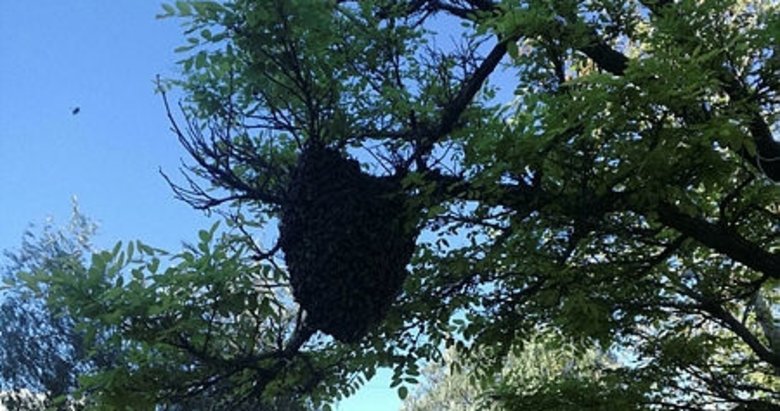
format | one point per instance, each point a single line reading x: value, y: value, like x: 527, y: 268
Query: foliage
x: 542, y: 372
x: 63, y: 319
x: 188, y: 336
x: 41, y: 351
x: 627, y: 195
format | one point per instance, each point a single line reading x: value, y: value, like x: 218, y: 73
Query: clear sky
x: 102, y: 57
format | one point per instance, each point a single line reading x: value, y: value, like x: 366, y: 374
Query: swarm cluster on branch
x: 347, y: 238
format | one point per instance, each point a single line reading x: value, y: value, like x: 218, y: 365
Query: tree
x: 543, y: 372
x: 50, y: 353
x: 625, y: 196
x: 41, y: 351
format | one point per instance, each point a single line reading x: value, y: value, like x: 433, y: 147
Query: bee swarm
x: 346, y: 242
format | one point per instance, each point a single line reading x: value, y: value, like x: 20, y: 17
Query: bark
x: 722, y: 240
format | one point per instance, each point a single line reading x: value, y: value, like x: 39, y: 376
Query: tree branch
x: 728, y: 320
x: 214, y: 156
x: 453, y: 110
x: 607, y: 58
x: 721, y: 239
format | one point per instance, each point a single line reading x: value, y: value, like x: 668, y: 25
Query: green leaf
x: 145, y: 249
x: 169, y: 11
x: 138, y: 274
x: 130, y: 251
x: 204, y: 236
x: 116, y: 249
x: 403, y: 392
x: 184, y: 8
x: 182, y: 49
x: 154, y: 265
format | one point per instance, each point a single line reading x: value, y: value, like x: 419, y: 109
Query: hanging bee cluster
x: 346, y: 239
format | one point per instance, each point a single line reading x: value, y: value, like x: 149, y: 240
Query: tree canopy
x: 625, y: 196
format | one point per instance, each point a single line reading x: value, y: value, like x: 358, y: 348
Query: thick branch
x: 455, y: 108
x: 767, y: 158
x: 605, y: 56
x: 461, y: 12
x: 722, y: 240
x: 728, y: 320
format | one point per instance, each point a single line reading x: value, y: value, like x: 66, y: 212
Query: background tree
x: 50, y: 350
x: 541, y: 373
x: 627, y: 196
x: 41, y: 351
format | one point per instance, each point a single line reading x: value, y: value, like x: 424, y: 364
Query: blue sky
x: 102, y: 57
